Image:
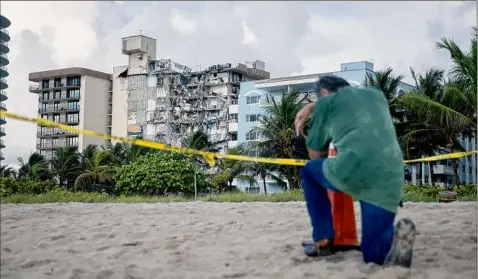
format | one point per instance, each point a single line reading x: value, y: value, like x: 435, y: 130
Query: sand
x: 214, y: 240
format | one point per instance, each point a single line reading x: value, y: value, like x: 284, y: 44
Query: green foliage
x: 10, y: 186
x: 160, y: 173
x: 412, y: 194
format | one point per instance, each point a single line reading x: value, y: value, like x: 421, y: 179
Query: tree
x: 97, y: 173
x: 263, y: 171
x: 6, y: 171
x: 277, y: 132
x: 66, y: 165
x: 230, y: 170
x: 199, y: 140
x: 388, y: 83
x: 36, y: 168
x: 452, y: 113
x: 414, y: 142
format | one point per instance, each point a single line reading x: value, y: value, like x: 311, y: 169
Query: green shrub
x: 467, y: 192
x: 160, y: 174
x: 9, y: 186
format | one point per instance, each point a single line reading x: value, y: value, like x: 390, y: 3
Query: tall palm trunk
x: 264, y: 183
x: 455, y: 171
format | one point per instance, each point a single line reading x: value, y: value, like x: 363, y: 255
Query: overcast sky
x: 291, y: 37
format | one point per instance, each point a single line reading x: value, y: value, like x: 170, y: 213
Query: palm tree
x: 230, y: 170
x: 431, y: 85
x: 277, y: 132
x: 464, y: 70
x: 97, y: 174
x: 35, y: 168
x: 6, y: 171
x: 200, y: 141
x: 446, y: 115
x: 88, y: 153
x: 388, y: 83
x: 66, y: 165
x: 262, y: 171
x: 117, y: 152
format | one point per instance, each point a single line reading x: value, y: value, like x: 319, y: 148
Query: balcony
x: 1, y: 156
x: 442, y: 169
x: 62, y: 108
x: 37, y: 88
x: 3, y: 95
x: 61, y: 98
x: 60, y: 133
x: 2, y: 132
x: 2, y: 144
x: 232, y: 143
x: 3, y: 120
x: 233, y: 126
x: 233, y: 109
x: 3, y: 106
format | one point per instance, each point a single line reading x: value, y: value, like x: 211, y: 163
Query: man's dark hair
x: 331, y: 83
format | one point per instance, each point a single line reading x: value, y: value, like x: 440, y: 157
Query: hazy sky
x: 291, y: 37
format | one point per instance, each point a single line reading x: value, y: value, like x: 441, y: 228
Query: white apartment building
x: 165, y: 101
x: 77, y: 97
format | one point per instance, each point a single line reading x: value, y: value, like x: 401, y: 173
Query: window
x: 56, y: 118
x: 73, y: 117
x: 44, y: 107
x: 253, y: 190
x: 73, y: 81
x: 252, y: 136
x: 43, y: 153
x: 463, y: 169
x: 73, y: 105
x: 57, y: 82
x: 56, y: 142
x: 73, y: 93
x: 471, y: 170
x: 72, y: 141
x: 45, y: 83
x: 45, y: 96
x: 252, y: 117
x: 56, y: 106
x: 252, y: 99
x: 44, y: 117
x: 57, y: 95
x: 71, y: 132
x: 233, y: 116
x: 233, y: 137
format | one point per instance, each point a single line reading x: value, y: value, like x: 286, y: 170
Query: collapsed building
x: 165, y: 101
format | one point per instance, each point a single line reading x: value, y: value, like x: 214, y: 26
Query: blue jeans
x: 377, y: 223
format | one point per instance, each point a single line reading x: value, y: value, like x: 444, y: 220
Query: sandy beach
x: 214, y: 240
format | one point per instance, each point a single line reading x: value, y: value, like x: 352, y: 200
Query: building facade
x: 78, y: 97
x: 443, y: 170
x: 4, y: 50
x: 253, y: 101
x: 165, y: 101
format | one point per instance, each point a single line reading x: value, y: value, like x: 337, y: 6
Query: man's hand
x: 302, y: 117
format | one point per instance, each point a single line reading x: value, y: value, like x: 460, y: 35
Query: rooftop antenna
x: 140, y: 32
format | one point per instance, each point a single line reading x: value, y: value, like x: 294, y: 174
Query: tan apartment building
x: 79, y: 97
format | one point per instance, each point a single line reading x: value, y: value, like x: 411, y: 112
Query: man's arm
x: 317, y: 154
x: 318, y: 136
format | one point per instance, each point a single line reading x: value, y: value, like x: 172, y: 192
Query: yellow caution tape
x: 210, y: 157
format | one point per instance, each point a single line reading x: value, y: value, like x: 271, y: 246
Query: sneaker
x: 313, y: 250
x: 402, y: 246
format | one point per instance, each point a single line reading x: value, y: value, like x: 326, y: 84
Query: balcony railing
x: 61, y: 98
x: 2, y: 143
x: 61, y: 108
x: 3, y: 92
x: 3, y: 106
x: 2, y: 130
x: 5, y: 30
